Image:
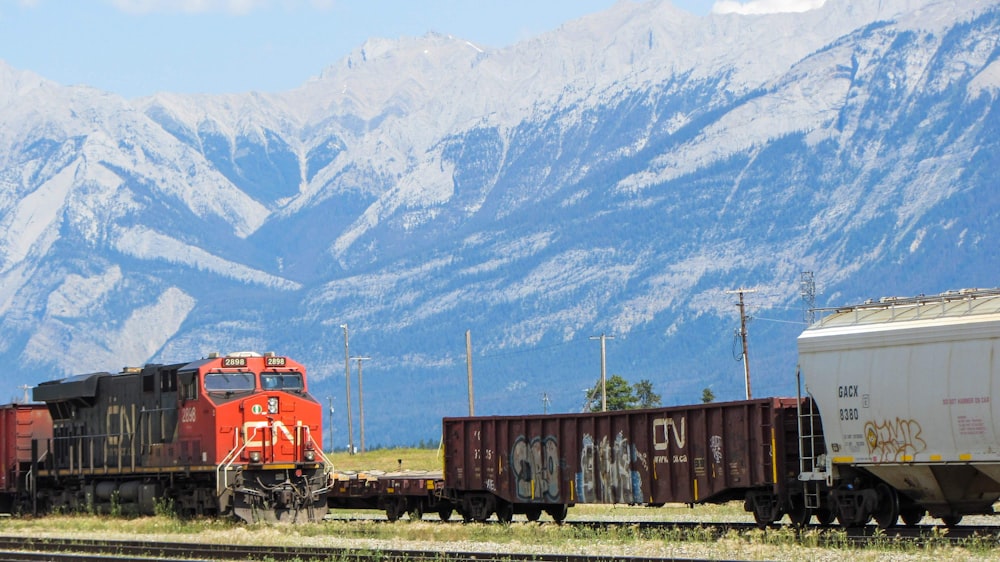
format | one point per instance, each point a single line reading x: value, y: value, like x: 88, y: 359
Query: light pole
x: 347, y: 377
x: 361, y: 402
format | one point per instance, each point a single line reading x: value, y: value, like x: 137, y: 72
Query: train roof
x: 79, y: 386
x: 891, y: 310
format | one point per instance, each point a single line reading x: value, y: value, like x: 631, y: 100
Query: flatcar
x: 234, y: 435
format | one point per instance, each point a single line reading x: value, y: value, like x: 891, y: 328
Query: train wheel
x: 887, y: 510
x: 825, y: 516
x: 416, y: 511
x: 394, y: 508
x: 445, y: 513
x: 533, y: 513
x: 799, y: 514
x: 911, y: 516
x: 951, y: 520
x: 505, y: 512
x: 558, y: 513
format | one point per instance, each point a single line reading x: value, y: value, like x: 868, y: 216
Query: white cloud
x: 765, y: 6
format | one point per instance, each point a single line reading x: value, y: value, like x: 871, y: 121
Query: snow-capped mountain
x: 618, y: 175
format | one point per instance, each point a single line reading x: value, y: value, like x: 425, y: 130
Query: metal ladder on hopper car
x: 811, y: 472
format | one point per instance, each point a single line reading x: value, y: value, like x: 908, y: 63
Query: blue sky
x: 139, y: 47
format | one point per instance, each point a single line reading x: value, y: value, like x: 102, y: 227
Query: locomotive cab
x: 266, y: 429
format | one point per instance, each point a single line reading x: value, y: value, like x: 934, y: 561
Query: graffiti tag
x: 894, y: 440
x: 535, y: 466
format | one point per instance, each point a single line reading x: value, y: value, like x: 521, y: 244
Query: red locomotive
x: 227, y: 435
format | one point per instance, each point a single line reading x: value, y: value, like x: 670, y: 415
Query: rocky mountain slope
x: 618, y: 175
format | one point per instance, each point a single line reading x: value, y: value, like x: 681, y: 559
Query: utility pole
x: 332, y: 442
x: 361, y: 402
x: 468, y: 366
x: 545, y: 403
x: 604, y: 378
x: 743, y: 335
x: 347, y: 377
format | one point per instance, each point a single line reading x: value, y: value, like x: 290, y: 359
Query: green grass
x: 388, y: 460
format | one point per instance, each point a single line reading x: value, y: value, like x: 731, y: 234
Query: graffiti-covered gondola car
x: 689, y: 454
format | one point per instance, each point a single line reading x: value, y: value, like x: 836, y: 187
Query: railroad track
x: 18, y: 549
x: 21, y: 549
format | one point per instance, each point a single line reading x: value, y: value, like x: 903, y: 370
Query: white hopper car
x: 905, y: 392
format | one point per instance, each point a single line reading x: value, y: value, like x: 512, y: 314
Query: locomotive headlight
x: 255, y: 456
x: 309, y: 455
x: 272, y: 405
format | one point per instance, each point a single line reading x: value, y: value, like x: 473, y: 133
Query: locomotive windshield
x: 229, y: 382
x: 281, y: 381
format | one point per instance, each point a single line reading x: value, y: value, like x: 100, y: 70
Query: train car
x: 225, y: 435
x: 707, y: 453
x: 905, y: 390
x: 20, y: 426
x: 410, y: 492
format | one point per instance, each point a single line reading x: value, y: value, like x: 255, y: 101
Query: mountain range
x: 622, y: 175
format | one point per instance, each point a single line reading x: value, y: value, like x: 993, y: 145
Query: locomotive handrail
x: 326, y: 462
x: 222, y: 472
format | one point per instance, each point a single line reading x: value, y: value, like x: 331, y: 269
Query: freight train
x: 894, y: 419
x: 233, y: 435
x: 897, y: 420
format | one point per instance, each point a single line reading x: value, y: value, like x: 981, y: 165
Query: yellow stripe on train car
x: 774, y: 457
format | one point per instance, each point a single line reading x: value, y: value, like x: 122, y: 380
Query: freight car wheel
x: 951, y: 520
x: 416, y: 511
x: 911, y: 516
x: 505, y: 512
x: 887, y: 510
x: 799, y: 514
x: 445, y: 513
x: 533, y: 513
x: 558, y: 512
x: 825, y: 516
x: 394, y: 508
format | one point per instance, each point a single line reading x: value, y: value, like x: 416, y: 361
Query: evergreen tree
x: 645, y: 395
x: 622, y: 396
x: 707, y: 396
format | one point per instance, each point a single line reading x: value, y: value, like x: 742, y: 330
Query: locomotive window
x: 281, y: 381
x: 229, y: 382
x: 189, y: 390
x: 168, y: 381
